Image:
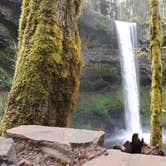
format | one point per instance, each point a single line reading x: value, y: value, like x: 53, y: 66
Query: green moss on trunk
x: 46, y: 81
x: 157, y: 80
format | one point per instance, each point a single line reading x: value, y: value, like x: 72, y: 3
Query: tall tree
x: 104, y: 7
x: 157, y: 80
x: 163, y: 9
x: 46, y: 81
x: 114, y: 9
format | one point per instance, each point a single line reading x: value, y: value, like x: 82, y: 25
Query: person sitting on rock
x: 136, y: 143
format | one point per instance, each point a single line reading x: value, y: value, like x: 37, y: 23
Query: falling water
x: 127, y: 38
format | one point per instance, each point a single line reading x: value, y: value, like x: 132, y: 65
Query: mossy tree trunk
x: 157, y: 80
x: 46, y: 81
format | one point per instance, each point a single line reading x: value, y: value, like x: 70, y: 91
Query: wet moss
x: 46, y: 80
x: 157, y: 79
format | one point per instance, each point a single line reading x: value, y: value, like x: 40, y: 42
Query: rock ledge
x: 7, y: 152
x: 118, y: 158
x: 63, y: 136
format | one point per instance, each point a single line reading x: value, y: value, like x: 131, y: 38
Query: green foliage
x: 101, y: 104
x: 105, y: 104
x: 93, y: 85
x: 104, y: 7
x: 99, y: 77
x: 3, y: 101
x: 7, y: 57
x: 5, y: 79
x: 101, y: 23
x: 145, y: 105
x: 4, y: 30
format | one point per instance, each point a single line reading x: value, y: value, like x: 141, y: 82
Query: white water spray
x: 127, y: 38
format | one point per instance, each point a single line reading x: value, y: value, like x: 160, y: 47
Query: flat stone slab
x: 65, y: 136
x: 7, y: 151
x: 117, y: 158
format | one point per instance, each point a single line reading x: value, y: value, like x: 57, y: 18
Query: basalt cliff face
x: 100, y: 52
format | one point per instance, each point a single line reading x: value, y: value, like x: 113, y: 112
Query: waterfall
x: 127, y: 40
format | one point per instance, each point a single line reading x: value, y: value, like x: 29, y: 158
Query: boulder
x: 118, y: 158
x: 7, y: 152
x: 57, y: 135
x: 65, y: 144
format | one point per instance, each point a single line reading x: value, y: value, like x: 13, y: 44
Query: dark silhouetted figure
x: 136, y: 144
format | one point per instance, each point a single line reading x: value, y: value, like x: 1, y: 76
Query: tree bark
x: 46, y: 81
x: 157, y: 79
